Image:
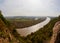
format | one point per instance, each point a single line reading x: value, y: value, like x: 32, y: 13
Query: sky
x: 30, y: 7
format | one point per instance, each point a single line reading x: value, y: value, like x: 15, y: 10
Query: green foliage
x: 2, y: 34
x: 43, y: 34
x: 3, y: 19
x: 38, y: 37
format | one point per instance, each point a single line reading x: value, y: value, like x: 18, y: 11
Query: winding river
x: 28, y: 30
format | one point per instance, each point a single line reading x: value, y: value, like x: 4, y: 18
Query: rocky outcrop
x: 6, y: 35
x: 56, y: 33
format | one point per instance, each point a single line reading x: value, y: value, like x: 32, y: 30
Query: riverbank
x: 28, y: 30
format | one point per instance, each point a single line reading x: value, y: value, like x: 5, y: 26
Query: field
x: 22, y: 22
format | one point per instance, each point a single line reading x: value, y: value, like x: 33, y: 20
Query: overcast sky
x: 30, y: 7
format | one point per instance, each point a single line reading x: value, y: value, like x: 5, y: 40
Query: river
x: 28, y: 30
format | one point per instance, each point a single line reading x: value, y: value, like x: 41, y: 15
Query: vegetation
x: 3, y: 19
x: 6, y: 31
x: 41, y: 36
x: 25, y: 22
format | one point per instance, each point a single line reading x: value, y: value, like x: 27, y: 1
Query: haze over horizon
x: 30, y: 7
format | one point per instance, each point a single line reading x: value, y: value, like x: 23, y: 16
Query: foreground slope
x: 6, y: 31
x: 56, y: 33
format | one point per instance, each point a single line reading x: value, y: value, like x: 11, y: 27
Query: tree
x: 3, y: 19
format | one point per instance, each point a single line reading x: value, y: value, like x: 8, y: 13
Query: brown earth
x: 56, y: 29
x: 5, y: 33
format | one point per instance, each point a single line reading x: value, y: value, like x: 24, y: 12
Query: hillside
x: 5, y: 32
x: 56, y: 33
x: 44, y: 35
x: 8, y: 33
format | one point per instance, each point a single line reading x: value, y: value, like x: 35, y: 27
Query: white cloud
x: 29, y: 8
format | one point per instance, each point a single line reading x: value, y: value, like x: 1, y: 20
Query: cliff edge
x: 6, y: 35
x: 56, y: 33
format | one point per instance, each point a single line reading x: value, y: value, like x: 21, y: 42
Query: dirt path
x: 55, y: 31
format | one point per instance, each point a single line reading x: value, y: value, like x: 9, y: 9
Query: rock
x: 5, y: 33
x: 56, y: 30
